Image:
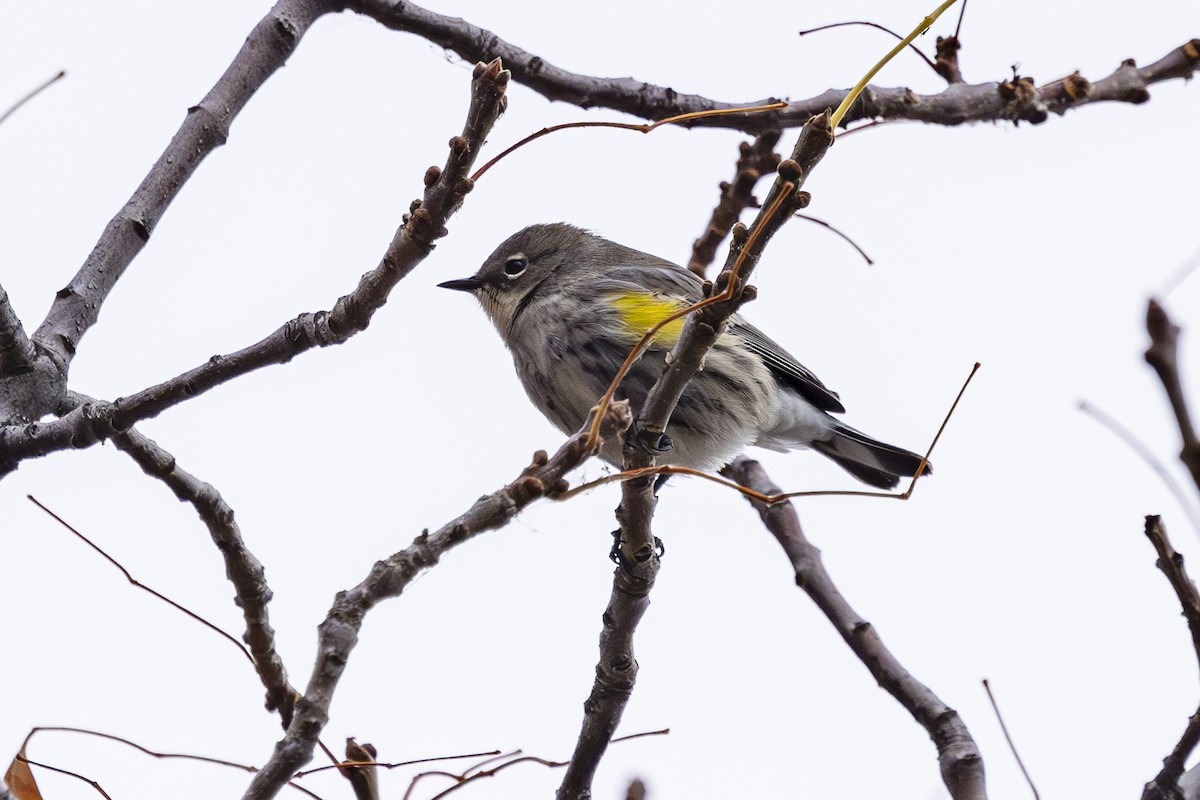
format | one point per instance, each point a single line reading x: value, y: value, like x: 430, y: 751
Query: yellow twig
x: 905, y: 42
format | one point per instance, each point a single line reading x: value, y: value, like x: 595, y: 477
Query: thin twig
x: 1139, y: 447
x: 924, y: 25
x: 874, y: 25
x: 1012, y: 747
x: 391, y: 764
x: 627, y: 126
x: 133, y: 581
x: 43, y: 87
x: 481, y: 770
x: 94, y: 784
x: 220, y: 762
x: 1181, y: 274
x: 838, y: 233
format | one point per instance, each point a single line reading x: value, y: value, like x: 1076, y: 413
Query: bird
x: 570, y: 304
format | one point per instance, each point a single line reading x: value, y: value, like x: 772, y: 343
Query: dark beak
x: 462, y: 284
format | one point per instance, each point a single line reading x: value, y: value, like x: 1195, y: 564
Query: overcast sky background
x: 1031, y: 250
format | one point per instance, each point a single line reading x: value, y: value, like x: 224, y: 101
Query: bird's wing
x: 786, y: 369
x: 679, y: 282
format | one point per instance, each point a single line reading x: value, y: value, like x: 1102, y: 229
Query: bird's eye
x: 515, y: 266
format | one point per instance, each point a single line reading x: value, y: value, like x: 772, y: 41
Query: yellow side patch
x: 642, y: 310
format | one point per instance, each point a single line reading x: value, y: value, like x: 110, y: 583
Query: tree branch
x: 445, y: 189
x: 31, y: 385
x: 17, y: 353
x: 959, y: 103
x: 338, y: 634
x: 617, y: 668
x: 637, y: 550
x: 244, y: 571
x: 205, y: 128
x: 1165, y: 785
x: 960, y: 760
x: 755, y: 159
x: 1162, y: 355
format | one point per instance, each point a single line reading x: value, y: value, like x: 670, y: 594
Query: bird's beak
x: 462, y: 284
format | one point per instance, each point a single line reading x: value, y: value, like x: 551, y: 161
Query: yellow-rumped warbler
x: 570, y: 304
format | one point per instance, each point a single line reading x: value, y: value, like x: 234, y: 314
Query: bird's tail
x: 871, y: 461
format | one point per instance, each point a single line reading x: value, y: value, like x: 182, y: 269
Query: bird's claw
x: 637, y: 437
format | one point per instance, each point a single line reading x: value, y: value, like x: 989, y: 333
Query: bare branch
x: 166, y: 756
x: 17, y: 353
x: 755, y: 159
x: 205, y: 128
x: 959, y: 103
x: 1171, y: 564
x: 31, y: 384
x: 638, y: 562
x: 1162, y: 355
x: 244, y: 571
x: 637, y: 551
x: 961, y: 762
x: 338, y: 634
x: 445, y: 189
x: 1165, y: 785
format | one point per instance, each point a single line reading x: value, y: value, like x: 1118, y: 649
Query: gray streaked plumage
x: 550, y: 289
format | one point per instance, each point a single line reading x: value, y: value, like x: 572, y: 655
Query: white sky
x: 1031, y: 250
